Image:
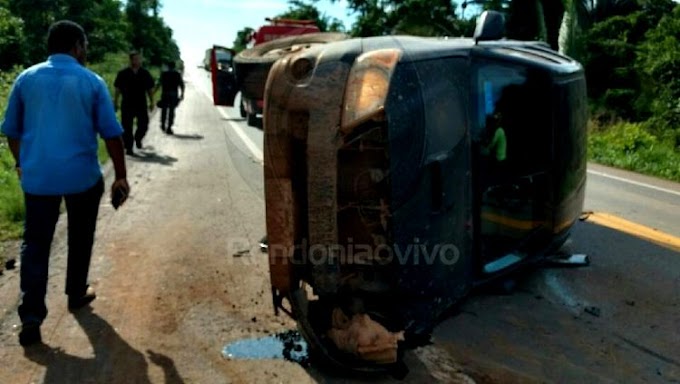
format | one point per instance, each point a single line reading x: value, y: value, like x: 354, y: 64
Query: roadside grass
x: 11, y: 197
x: 630, y: 146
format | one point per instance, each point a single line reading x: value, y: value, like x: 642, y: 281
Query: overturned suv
x: 402, y: 172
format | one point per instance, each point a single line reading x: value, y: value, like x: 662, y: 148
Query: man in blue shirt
x: 55, y: 111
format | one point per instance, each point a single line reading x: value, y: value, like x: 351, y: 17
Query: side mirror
x: 490, y: 26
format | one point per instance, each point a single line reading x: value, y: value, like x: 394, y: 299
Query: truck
x: 403, y: 172
x: 269, y: 43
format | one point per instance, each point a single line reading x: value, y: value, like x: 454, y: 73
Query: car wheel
x: 252, y: 120
x: 252, y: 65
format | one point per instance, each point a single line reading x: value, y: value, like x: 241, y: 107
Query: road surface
x: 179, y: 276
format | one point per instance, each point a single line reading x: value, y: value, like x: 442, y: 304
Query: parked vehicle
x: 402, y: 172
x: 270, y: 42
x: 221, y: 64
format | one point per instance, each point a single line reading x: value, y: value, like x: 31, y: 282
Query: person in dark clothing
x: 170, y: 82
x: 54, y: 114
x: 134, y: 84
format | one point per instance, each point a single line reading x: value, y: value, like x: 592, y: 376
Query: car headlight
x: 367, y: 87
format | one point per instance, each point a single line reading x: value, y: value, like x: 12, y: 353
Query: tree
x: 12, y: 40
x: 242, y: 39
x: 103, y: 22
x: 305, y: 10
x: 37, y: 16
x: 432, y: 18
x: 415, y: 17
x: 659, y: 63
x: 148, y: 32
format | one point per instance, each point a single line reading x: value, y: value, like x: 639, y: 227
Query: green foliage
x: 148, y: 32
x: 11, y: 197
x: 11, y: 39
x: 305, y: 10
x: 104, y: 25
x: 659, y: 63
x: 242, y: 39
x: 630, y: 146
x: 109, y: 67
x: 415, y: 17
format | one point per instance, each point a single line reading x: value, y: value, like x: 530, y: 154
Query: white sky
x: 198, y: 24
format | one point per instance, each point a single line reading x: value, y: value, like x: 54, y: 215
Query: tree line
x: 111, y: 26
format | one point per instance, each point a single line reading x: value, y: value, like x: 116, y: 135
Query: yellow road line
x: 511, y: 222
x: 623, y: 225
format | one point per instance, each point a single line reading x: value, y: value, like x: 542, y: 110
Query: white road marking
x: 637, y: 183
x: 247, y: 141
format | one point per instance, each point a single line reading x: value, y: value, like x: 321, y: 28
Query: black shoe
x: 129, y: 152
x: 77, y: 302
x: 30, y: 335
x: 169, y: 131
x: 138, y: 143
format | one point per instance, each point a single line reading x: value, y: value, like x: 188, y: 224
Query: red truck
x: 251, y: 66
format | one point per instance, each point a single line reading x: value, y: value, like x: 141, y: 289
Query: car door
x: 512, y: 146
x: 224, y: 87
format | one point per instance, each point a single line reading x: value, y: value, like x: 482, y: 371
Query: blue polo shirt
x: 56, y: 109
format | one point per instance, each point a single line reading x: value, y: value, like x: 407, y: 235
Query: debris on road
x: 575, y: 260
x: 364, y: 337
x: 242, y: 253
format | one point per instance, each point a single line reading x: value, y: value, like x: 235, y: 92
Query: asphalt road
x: 617, y: 320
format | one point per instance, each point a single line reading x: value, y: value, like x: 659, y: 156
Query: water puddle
x: 287, y: 346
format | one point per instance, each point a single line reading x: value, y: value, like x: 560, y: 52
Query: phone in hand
x: 118, y: 198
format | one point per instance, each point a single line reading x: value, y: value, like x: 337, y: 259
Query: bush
x: 11, y: 197
x: 630, y: 146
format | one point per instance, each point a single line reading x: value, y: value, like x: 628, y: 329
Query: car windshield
x: 224, y: 56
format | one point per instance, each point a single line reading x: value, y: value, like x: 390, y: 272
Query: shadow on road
x: 148, y: 156
x: 115, y: 361
x: 187, y: 137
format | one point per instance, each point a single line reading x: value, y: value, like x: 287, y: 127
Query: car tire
x: 252, y: 65
x: 252, y: 120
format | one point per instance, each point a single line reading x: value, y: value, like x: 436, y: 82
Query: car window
x: 444, y: 86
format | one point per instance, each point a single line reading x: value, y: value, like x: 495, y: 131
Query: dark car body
x: 382, y: 196
x: 408, y: 183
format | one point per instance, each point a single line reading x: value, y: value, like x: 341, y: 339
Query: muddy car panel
x: 380, y: 197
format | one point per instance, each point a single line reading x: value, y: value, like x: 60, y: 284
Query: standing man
x: 134, y: 84
x: 55, y: 111
x: 170, y: 82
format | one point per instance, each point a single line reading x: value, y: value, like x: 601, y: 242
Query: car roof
x: 423, y: 48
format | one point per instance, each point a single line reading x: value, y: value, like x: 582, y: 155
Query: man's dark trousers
x: 42, y: 213
x: 128, y: 114
x: 169, y: 103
